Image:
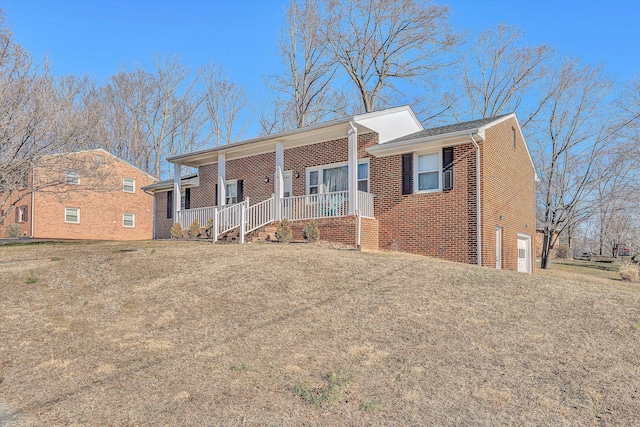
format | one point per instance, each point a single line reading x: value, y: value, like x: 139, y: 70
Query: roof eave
x: 452, y: 138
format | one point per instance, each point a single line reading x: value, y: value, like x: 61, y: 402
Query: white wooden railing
x: 203, y: 215
x: 365, y: 204
x: 314, y: 206
x: 260, y: 214
x: 229, y: 217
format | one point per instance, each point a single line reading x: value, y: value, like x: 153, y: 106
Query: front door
x: 498, y: 248
x: 523, y: 254
x: 287, y: 187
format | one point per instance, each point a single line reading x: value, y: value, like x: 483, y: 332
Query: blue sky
x: 99, y: 37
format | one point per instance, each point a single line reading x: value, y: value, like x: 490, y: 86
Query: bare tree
x: 571, y: 138
x: 382, y: 44
x: 305, y: 84
x: 226, y: 105
x: 502, y: 74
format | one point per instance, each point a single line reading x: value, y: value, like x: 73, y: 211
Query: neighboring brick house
x: 378, y: 180
x: 85, y: 195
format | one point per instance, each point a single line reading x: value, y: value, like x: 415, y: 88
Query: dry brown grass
x: 192, y: 334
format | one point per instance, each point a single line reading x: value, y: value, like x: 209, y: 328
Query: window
x: 128, y: 220
x: 428, y: 172
x: 23, y: 215
x: 231, y: 191
x: 72, y: 178
x: 363, y: 177
x: 72, y: 215
x: 335, y: 177
x: 129, y: 185
x: 99, y: 160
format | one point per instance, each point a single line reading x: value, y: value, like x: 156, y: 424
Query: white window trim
x: 320, y: 168
x: 124, y: 185
x: 416, y: 183
x: 226, y: 194
x: 66, y: 177
x: 133, y: 217
x: 361, y: 162
x: 65, y: 216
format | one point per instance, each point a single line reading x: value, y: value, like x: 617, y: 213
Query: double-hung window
x: 363, y: 177
x: 428, y: 172
x: 72, y: 215
x: 128, y: 220
x: 231, y: 192
x: 72, y: 178
x: 129, y: 185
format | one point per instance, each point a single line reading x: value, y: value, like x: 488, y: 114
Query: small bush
x: 563, y: 252
x: 311, y: 232
x: 13, y: 230
x: 283, y: 232
x: 208, y: 230
x: 629, y: 272
x: 176, y: 231
x: 194, y: 229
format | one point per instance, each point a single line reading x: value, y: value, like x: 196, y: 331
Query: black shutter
x: 26, y: 213
x: 240, y: 194
x: 216, y: 204
x: 17, y: 214
x: 187, y: 198
x: 169, y: 204
x: 447, y: 168
x: 1, y: 215
x: 407, y: 173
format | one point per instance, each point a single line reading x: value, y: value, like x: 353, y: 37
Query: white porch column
x: 353, y: 168
x: 278, y: 182
x: 222, y: 171
x: 177, y: 172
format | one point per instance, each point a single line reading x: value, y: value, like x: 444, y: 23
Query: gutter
x: 478, y: 207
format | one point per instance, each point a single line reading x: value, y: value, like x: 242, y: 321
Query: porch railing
x: 229, y: 217
x: 315, y: 206
x: 260, y: 214
x: 365, y: 204
x: 203, y: 215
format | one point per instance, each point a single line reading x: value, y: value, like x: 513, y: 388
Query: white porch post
x: 353, y: 168
x: 222, y: 171
x: 177, y: 171
x: 243, y: 223
x: 278, y: 182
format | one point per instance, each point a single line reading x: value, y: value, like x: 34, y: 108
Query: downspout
x: 478, y: 208
x: 33, y: 198
x: 358, y: 228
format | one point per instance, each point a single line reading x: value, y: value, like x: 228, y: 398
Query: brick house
x: 84, y: 195
x: 464, y: 192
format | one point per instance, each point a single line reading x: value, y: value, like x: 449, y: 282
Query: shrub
x: 283, y: 232
x: 311, y: 232
x: 208, y: 230
x: 629, y: 272
x: 194, y: 229
x: 13, y: 230
x: 563, y: 252
x: 176, y: 231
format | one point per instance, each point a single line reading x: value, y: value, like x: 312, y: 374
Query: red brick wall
x: 252, y: 171
x: 508, y: 190
x: 342, y: 230
x: 163, y: 224
x: 11, y: 219
x: 439, y: 224
x: 100, y: 210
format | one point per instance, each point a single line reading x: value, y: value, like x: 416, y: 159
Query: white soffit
x: 390, y: 124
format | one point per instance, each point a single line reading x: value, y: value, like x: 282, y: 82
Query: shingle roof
x: 443, y: 130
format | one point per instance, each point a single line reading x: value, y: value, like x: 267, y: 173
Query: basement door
x: 524, y: 253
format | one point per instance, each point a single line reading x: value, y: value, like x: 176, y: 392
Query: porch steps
x: 229, y: 237
x: 267, y: 232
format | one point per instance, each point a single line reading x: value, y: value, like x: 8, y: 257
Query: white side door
x: 524, y: 254
x: 498, y: 248
x: 287, y: 189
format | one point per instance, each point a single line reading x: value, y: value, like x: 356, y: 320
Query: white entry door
x: 287, y: 187
x: 524, y: 254
x: 498, y: 248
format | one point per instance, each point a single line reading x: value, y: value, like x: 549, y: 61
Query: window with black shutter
x: 1, y: 215
x: 240, y: 191
x: 216, y: 203
x: 187, y: 198
x: 407, y: 173
x: 447, y: 168
x: 169, y: 204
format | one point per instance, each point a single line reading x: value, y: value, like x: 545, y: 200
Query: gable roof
x: 453, y: 128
